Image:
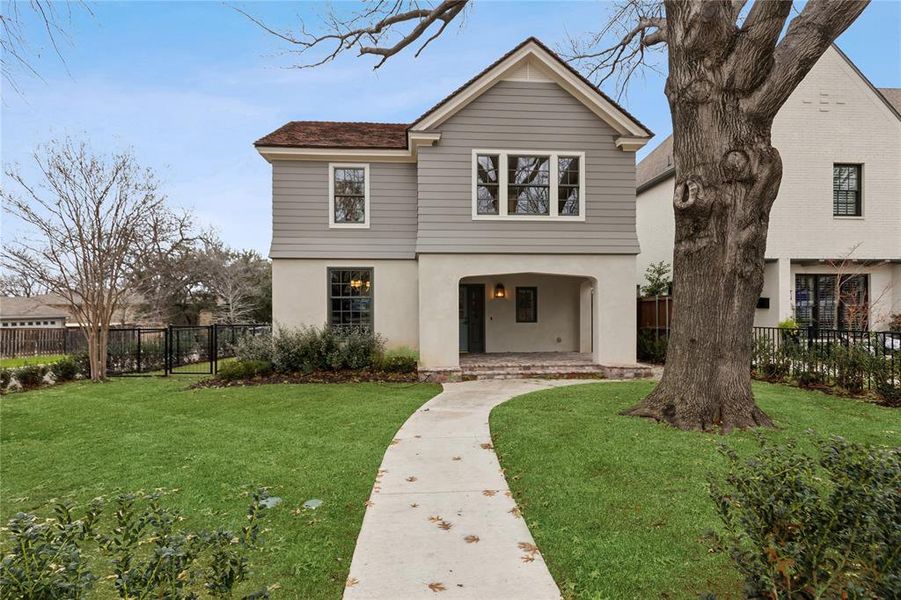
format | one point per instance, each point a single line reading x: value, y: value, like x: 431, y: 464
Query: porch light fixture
x: 499, y: 291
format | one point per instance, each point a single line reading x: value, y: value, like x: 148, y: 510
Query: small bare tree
x: 853, y: 303
x: 89, y: 219
x: 730, y: 69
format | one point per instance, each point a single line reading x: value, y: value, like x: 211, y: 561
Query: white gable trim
x: 603, y: 108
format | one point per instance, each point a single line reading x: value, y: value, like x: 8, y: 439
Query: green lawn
x: 619, y: 505
x: 214, y: 446
x: 14, y: 363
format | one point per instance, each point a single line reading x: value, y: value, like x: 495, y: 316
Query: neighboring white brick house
x: 835, y: 123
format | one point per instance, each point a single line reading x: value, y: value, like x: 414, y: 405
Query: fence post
x: 138, y: 332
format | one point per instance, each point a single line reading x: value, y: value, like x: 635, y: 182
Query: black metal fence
x: 173, y: 350
x: 853, y: 360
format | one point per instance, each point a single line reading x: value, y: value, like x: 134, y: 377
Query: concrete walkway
x: 441, y: 519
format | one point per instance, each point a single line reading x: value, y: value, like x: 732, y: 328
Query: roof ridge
x: 351, y: 122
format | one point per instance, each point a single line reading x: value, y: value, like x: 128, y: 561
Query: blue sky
x: 191, y: 85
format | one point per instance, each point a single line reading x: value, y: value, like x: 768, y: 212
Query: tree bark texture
x: 727, y: 177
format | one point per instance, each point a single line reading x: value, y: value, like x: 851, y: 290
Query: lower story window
x: 527, y: 305
x: 350, y: 297
x: 832, y: 301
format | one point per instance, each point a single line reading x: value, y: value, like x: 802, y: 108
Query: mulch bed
x: 361, y: 376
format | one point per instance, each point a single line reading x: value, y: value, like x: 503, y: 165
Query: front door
x: 472, y: 317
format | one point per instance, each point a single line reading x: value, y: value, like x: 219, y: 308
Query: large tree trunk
x: 727, y: 177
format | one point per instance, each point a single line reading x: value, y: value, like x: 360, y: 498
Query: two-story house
x: 501, y: 220
x: 833, y: 255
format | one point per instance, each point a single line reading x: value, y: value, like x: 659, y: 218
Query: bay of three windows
x: 521, y: 184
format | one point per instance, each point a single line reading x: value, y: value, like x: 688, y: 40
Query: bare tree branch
x: 808, y: 36
x: 367, y: 37
x: 16, y: 49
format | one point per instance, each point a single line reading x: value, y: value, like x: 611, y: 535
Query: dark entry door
x: 472, y: 317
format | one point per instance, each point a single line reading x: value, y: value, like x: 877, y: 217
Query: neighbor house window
x: 846, y: 191
x: 832, y: 301
x: 527, y: 305
x: 350, y: 297
x: 348, y: 195
x: 526, y: 185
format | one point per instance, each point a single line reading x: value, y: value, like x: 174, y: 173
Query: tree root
x: 708, y: 413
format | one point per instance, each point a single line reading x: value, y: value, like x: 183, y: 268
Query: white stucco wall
x: 300, y: 295
x: 613, y: 338
x: 558, y: 325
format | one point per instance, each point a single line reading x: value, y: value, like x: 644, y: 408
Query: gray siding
x: 300, y: 217
x: 525, y: 116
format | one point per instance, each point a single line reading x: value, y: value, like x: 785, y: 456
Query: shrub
x: 894, y: 323
x: 30, y: 375
x: 68, y: 367
x: 823, y: 526
x: 5, y: 378
x: 398, y: 360
x: 254, y: 348
x: 652, y: 346
x: 236, y: 370
x: 788, y: 323
x: 311, y: 349
x: 148, y: 554
x: 851, y: 364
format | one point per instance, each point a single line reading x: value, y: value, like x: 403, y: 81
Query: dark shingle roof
x: 389, y: 136
x: 331, y: 134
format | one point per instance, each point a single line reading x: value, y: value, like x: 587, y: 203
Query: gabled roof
x: 332, y: 134
x: 658, y: 165
x: 400, y: 136
x: 532, y: 47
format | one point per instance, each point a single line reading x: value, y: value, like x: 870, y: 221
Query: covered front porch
x: 569, y: 313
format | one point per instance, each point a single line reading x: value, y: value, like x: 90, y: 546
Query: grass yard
x: 619, y: 505
x: 15, y: 363
x: 214, y: 446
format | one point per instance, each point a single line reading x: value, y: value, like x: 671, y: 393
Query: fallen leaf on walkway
x: 472, y: 539
x: 434, y: 519
x: 368, y: 503
x: 508, y: 494
x: 437, y: 587
x: 351, y: 581
x: 488, y: 493
x: 528, y: 547
x: 527, y: 558
x: 395, y: 441
x: 457, y: 458
x: 445, y: 525
x: 411, y: 478
x: 487, y: 446
x: 414, y: 505
x: 417, y: 436
x: 515, y: 512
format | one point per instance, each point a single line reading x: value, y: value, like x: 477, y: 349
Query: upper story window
x: 348, y: 195
x: 846, y: 201
x: 528, y: 185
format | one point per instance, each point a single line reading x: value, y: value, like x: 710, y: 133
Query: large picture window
x: 832, y: 301
x: 348, y: 195
x: 350, y: 297
x: 846, y: 191
x: 527, y: 185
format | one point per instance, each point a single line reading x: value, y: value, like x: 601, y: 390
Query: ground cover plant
x: 210, y: 449
x: 620, y: 507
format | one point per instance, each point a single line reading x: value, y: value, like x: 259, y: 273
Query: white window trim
x: 331, y: 196
x: 502, y: 186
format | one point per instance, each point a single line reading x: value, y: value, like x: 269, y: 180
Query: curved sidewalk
x: 441, y: 518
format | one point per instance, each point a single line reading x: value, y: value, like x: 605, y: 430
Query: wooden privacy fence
x: 40, y: 341
x: 655, y: 312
